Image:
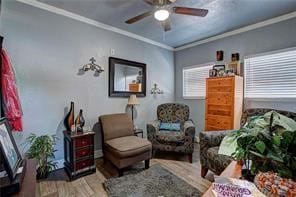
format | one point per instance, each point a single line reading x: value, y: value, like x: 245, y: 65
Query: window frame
x: 191, y: 67
x: 282, y: 99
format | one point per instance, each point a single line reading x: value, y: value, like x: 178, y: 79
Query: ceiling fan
x: 162, y: 10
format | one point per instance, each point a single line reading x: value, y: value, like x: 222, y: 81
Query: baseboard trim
x: 98, y: 153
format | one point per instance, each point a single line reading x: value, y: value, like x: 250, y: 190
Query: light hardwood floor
x: 92, y: 185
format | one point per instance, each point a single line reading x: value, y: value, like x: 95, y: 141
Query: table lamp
x: 132, y: 101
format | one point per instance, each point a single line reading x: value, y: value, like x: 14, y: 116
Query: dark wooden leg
x: 204, y: 171
x: 190, y: 158
x: 120, y: 172
x: 153, y: 153
x: 147, y: 163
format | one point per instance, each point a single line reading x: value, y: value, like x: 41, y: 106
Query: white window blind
x: 194, y: 81
x: 271, y: 75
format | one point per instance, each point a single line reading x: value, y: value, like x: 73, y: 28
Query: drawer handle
x: 83, y: 153
x: 83, y: 164
x: 83, y: 142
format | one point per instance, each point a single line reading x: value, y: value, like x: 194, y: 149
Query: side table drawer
x: 83, y: 141
x: 84, y: 163
x: 83, y: 152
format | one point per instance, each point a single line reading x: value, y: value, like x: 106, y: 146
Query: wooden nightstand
x: 79, y: 154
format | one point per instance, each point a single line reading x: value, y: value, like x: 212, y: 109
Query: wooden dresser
x: 224, y: 103
x: 79, y: 154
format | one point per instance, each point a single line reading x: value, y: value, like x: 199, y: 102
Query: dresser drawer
x: 221, y: 89
x: 220, y: 82
x: 219, y: 121
x: 220, y: 110
x: 83, y: 153
x: 83, y: 141
x: 84, y: 163
x: 220, y: 98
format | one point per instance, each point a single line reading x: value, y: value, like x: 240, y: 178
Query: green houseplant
x: 269, y: 141
x: 42, y: 149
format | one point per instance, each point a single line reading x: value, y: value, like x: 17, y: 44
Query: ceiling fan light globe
x: 161, y: 15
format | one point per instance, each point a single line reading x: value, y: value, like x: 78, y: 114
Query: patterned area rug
x: 154, y: 182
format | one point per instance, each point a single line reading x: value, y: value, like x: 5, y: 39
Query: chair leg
x: 153, y: 153
x: 147, y: 163
x: 190, y: 158
x: 120, y: 172
x: 204, y: 171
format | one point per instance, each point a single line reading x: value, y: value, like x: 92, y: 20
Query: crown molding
x: 89, y: 21
x: 240, y: 30
x: 80, y: 18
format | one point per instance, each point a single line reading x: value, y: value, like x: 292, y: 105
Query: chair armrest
x: 212, y: 138
x: 208, y: 139
x: 152, y: 129
x: 189, y: 128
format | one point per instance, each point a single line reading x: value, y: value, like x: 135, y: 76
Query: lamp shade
x: 132, y: 100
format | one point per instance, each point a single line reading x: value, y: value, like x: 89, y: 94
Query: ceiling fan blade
x: 159, y: 2
x: 191, y: 11
x: 139, y: 17
x: 150, y: 2
x: 166, y: 25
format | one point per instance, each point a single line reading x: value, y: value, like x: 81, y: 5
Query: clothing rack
x: 1, y: 106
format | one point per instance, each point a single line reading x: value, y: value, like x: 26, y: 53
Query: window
x: 194, y: 81
x: 271, y: 75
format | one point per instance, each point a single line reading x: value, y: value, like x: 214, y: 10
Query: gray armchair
x: 174, y: 141
x: 211, y: 140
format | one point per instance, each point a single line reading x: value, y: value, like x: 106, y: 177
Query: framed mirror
x: 126, y: 78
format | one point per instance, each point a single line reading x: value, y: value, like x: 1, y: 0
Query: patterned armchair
x: 210, y: 142
x: 175, y: 141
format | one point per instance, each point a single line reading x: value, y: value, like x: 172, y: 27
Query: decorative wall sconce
x: 156, y: 90
x: 92, y: 66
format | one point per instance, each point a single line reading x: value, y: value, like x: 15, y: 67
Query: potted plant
x: 269, y: 142
x: 42, y: 149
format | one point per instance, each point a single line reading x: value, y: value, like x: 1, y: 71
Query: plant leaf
x: 260, y: 146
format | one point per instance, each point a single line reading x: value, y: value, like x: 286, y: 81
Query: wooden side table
x: 79, y: 154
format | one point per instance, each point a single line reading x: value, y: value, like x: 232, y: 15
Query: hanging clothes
x: 11, y: 102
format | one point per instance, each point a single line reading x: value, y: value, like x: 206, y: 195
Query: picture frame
x: 219, y: 67
x: 10, y: 154
x: 212, y: 73
x: 219, y: 55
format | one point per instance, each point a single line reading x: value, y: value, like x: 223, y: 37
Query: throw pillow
x: 170, y: 126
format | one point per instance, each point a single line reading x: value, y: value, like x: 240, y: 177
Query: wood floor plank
x: 47, y: 188
x: 82, y: 188
x: 65, y: 189
x: 96, y: 184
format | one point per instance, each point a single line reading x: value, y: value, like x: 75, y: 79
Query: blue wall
x: 269, y: 38
x: 47, y: 50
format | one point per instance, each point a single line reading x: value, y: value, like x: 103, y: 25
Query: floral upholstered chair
x: 181, y: 140
x: 210, y: 142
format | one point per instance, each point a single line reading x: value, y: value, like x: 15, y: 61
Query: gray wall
x: 277, y: 36
x: 47, y: 51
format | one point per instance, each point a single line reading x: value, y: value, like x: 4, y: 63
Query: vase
x: 69, y: 119
x: 79, y: 121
